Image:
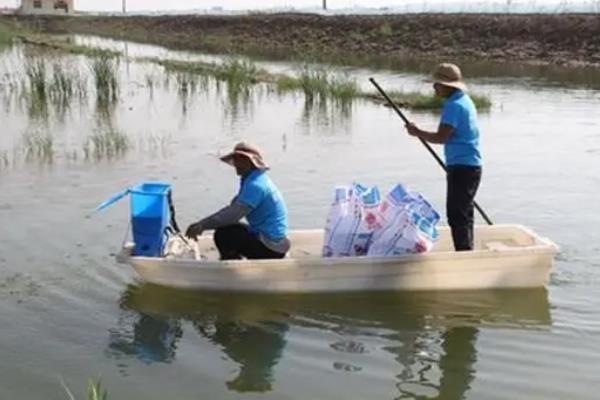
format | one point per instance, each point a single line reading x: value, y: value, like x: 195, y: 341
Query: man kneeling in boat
x: 260, y: 202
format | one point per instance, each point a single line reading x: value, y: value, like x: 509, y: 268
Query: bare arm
x: 226, y: 216
x: 443, y: 134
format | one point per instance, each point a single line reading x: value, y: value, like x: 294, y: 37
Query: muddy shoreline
x: 571, y: 40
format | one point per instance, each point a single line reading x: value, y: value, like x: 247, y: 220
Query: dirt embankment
x: 564, y: 39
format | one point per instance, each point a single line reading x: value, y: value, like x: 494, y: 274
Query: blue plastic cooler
x: 150, y: 217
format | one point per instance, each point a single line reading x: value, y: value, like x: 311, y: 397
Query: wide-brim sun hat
x: 249, y: 151
x: 449, y: 75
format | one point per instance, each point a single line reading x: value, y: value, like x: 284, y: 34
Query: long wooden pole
x: 427, y: 146
x: 324, y: 4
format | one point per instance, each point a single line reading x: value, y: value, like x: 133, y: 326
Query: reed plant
x: 34, y: 89
x: 95, y: 391
x: 36, y: 75
x: 420, y: 101
x: 106, y: 143
x: 343, y: 89
x: 38, y: 146
x: 238, y: 72
x: 6, y: 35
x: 104, y: 72
x: 62, y: 84
x: 318, y: 83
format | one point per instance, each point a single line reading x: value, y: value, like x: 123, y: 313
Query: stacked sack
x: 361, y: 223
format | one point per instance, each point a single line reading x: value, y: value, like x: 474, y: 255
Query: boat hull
x: 526, y: 263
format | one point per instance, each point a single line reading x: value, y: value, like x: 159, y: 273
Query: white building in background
x: 58, y: 7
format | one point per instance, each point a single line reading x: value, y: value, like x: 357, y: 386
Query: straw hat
x: 250, y: 151
x: 449, y: 75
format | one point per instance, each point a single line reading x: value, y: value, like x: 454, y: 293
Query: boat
x: 505, y: 256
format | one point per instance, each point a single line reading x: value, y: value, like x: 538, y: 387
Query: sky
x: 156, y: 5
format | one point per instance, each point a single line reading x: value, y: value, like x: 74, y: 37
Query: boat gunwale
x: 541, y: 245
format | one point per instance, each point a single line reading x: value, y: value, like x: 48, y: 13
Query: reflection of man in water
x: 450, y: 374
x: 257, y: 348
x: 154, y: 339
x: 457, y: 362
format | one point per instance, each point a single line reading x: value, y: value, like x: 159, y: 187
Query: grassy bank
x: 550, y: 39
x: 7, y: 34
x: 241, y: 75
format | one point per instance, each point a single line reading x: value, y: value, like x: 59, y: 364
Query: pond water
x: 69, y: 312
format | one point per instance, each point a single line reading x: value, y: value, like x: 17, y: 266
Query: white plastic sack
x: 371, y: 220
x: 343, y: 221
x: 359, y: 223
x: 407, y: 233
x: 179, y: 248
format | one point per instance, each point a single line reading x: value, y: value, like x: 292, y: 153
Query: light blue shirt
x: 463, y: 146
x: 269, y: 216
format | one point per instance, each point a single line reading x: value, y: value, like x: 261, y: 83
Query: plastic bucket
x: 150, y: 217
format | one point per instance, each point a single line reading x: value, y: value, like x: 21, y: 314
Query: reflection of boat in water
x: 508, y: 308
x: 506, y: 256
x: 253, y: 329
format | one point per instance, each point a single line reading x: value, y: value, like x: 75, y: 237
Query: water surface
x: 69, y: 312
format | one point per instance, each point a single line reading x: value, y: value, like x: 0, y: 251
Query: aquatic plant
x: 238, y: 72
x: 6, y: 35
x: 420, y: 101
x: 38, y: 146
x: 150, y: 84
x: 36, y: 75
x: 104, y: 71
x: 318, y: 83
x: 95, y: 391
x: 343, y: 89
x: 62, y: 84
x: 34, y: 89
x: 107, y: 143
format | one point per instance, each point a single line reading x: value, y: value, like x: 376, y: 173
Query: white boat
x: 505, y: 256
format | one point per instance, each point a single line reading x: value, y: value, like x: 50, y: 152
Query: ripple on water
x: 350, y: 347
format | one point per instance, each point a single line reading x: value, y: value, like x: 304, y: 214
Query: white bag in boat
x: 409, y: 224
x: 342, y: 222
x: 371, y: 220
x: 179, y: 248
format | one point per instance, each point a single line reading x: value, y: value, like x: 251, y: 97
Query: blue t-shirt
x: 463, y: 146
x: 269, y: 212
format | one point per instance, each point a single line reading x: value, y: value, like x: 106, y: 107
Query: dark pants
x: 463, y: 182
x: 236, y: 241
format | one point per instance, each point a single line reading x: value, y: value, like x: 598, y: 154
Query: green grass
x: 64, y: 45
x: 95, y: 391
x: 420, y: 101
x: 319, y: 84
x: 482, y: 102
x: 106, y: 144
x: 238, y: 73
x: 62, y: 84
x: 234, y: 72
x: 36, y: 75
x: 38, y: 146
x: 7, y: 34
x: 343, y: 89
x: 34, y: 89
x: 241, y: 75
x: 104, y: 72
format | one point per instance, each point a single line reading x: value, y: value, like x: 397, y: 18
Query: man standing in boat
x: 260, y: 202
x: 458, y: 131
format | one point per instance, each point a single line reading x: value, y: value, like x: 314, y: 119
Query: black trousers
x: 235, y: 242
x: 463, y: 182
